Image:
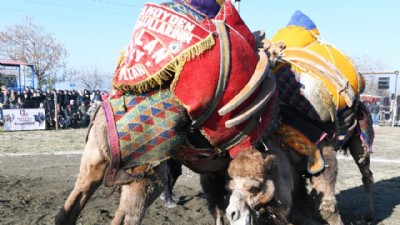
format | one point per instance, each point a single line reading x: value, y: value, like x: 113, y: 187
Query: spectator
x: 97, y: 96
x: 71, y: 114
x: 13, y: 99
x: 80, y: 99
x: 69, y: 117
x: 92, y: 109
x: 6, y: 98
x: 2, y: 96
x: 27, y: 103
x: 375, y: 109
x: 19, y: 104
x: 84, y: 117
x: 74, y: 95
x: 49, y: 108
x: 31, y: 92
x: 86, y: 96
x: 18, y: 94
x: 67, y: 97
x: 62, y: 121
x: 60, y: 98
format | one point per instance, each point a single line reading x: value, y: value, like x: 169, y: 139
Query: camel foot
x: 328, y: 206
x: 331, y: 218
x: 170, y: 204
x: 369, y: 216
x: 174, y: 197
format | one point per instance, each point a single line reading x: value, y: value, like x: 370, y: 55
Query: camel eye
x: 232, y: 185
x: 254, y: 190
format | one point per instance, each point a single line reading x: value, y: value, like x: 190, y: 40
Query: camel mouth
x: 238, y: 211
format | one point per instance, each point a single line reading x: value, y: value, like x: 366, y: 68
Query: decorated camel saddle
x: 317, y: 84
x: 198, y: 55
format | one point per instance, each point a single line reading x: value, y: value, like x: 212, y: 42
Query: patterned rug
x: 143, y: 130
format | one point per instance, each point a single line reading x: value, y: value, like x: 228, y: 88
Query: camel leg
x: 90, y: 177
x: 323, y: 188
x: 362, y: 158
x: 214, y: 188
x: 138, y: 195
x: 174, y: 170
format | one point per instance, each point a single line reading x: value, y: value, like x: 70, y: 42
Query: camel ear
x: 270, y: 163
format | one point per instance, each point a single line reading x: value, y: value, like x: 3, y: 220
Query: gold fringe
x: 174, y: 67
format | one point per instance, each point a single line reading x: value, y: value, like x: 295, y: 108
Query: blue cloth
x: 299, y: 19
x: 209, y: 8
x: 374, y: 118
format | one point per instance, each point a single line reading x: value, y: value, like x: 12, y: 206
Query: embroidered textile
x: 300, y: 143
x: 365, y: 127
x: 162, y: 41
x: 146, y: 128
x: 291, y: 90
x: 195, y: 81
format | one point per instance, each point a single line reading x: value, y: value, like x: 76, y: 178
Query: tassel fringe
x: 172, y: 69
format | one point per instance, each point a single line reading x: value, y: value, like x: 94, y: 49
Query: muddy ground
x: 34, y: 183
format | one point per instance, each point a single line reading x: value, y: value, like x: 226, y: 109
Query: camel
x: 205, y: 142
x: 350, y: 132
x: 211, y: 119
x: 140, y: 192
x: 262, y: 183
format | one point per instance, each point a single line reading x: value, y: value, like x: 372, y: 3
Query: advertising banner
x: 24, y: 119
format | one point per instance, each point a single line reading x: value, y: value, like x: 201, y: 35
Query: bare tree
x: 89, y: 78
x: 29, y: 43
x: 366, y: 63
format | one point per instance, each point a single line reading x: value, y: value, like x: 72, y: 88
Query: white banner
x: 24, y: 119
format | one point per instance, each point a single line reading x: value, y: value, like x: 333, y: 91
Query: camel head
x: 252, y: 185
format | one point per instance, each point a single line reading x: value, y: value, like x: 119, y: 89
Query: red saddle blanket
x: 193, y: 61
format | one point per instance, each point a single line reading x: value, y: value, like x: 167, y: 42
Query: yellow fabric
x: 220, y: 2
x: 341, y: 61
x: 296, y: 36
x: 318, y: 66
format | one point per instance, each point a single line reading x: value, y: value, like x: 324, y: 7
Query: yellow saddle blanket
x: 306, y: 51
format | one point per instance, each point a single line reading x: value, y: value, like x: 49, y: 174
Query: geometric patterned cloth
x: 146, y: 129
x: 290, y: 90
x: 365, y: 128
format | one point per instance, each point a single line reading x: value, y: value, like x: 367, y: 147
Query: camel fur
x: 263, y: 183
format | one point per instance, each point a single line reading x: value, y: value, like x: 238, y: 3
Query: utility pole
x: 393, y: 101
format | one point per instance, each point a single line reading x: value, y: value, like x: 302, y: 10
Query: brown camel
x: 262, y: 184
x: 322, y: 184
x: 137, y: 195
x: 247, y: 123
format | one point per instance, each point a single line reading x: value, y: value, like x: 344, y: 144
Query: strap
x: 243, y: 134
x: 113, y: 168
x: 223, y: 72
x: 260, y: 72
x: 267, y: 90
x: 321, y: 67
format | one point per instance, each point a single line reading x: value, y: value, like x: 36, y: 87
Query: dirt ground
x: 38, y: 170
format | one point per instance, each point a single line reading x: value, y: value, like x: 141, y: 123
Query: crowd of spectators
x: 74, y: 108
